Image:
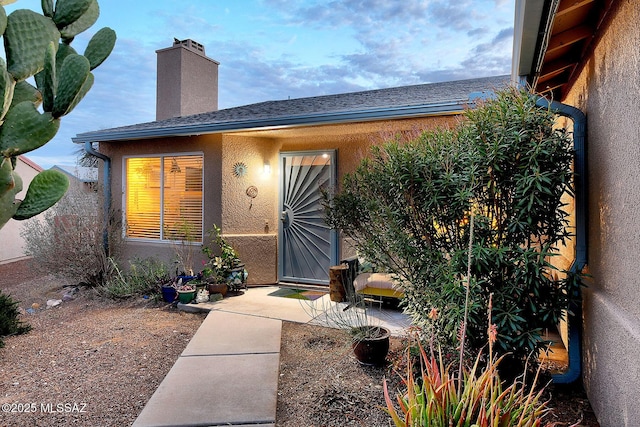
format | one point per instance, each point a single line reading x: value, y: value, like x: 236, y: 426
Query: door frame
x: 334, y: 248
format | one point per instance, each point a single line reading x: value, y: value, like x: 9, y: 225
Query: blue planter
x: 169, y: 293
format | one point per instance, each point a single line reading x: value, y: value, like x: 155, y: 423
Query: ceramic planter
x: 217, y: 288
x: 168, y: 293
x: 186, y: 297
x: 371, y: 346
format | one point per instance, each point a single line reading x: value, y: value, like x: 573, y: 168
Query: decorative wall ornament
x: 239, y: 169
x: 252, y: 192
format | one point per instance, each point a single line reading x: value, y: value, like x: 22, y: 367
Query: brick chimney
x: 187, y: 81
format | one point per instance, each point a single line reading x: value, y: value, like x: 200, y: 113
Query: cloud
x: 406, y: 42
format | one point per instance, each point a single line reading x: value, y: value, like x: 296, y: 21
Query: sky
x: 279, y: 49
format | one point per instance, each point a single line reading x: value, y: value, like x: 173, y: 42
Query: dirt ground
x: 91, y: 362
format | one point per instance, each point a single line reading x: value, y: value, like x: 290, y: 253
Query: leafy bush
x: 145, y: 277
x: 407, y: 209
x: 68, y: 241
x: 9, y: 323
x: 220, y: 267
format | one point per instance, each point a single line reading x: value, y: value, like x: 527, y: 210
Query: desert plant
x: 184, y: 243
x: 436, y: 398
x: 9, y: 322
x: 67, y: 239
x: 144, y: 277
x: 39, y: 46
x: 407, y: 209
x: 224, y: 264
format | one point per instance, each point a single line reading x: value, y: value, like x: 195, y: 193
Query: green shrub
x: 407, y: 209
x: 145, y: 277
x: 9, y: 323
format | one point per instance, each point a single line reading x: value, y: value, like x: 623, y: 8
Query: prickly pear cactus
x: 42, y: 80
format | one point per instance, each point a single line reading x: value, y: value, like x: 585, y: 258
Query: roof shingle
x: 272, y: 113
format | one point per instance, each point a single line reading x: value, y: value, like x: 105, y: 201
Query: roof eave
x: 454, y: 107
x: 527, y: 31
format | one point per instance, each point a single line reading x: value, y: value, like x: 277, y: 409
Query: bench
x: 369, y: 284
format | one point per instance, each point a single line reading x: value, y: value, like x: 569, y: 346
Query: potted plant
x: 169, y: 293
x: 224, y: 268
x: 369, y: 339
x: 186, y: 293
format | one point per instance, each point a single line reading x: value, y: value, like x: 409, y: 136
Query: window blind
x: 163, y: 198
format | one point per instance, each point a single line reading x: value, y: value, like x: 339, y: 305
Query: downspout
x: 106, y: 191
x: 574, y: 316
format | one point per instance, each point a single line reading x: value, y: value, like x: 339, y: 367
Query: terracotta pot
x: 218, y: 288
x: 372, y: 346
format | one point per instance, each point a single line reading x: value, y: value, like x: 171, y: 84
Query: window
x: 163, y: 197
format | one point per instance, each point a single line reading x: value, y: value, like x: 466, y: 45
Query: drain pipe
x: 106, y: 192
x: 574, y: 317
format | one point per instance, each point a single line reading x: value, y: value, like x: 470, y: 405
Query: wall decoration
x: 240, y: 169
x: 252, y: 192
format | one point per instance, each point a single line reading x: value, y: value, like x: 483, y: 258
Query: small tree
x: 407, y: 209
x: 67, y: 239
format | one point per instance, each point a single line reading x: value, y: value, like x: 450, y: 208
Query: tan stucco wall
x: 608, y: 90
x: 187, y: 82
x: 12, y: 248
x: 251, y: 224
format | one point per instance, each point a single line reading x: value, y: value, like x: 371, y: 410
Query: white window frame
x: 161, y: 156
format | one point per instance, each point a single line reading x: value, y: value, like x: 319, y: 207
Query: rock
x: 70, y: 294
x: 35, y: 306
x: 215, y: 297
x: 53, y: 303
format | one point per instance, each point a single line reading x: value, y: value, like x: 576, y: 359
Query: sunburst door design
x: 307, y: 246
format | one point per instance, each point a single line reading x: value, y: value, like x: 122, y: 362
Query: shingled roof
x: 380, y: 104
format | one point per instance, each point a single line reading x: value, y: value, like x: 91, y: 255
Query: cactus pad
x: 69, y: 11
x: 46, y: 79
x: 39, y: 46
x: 47, y: 8
x: 83, y: 23
x: 44, y: 191
x: 100, y: 46
x: 8, y: 203
x: 7, y: 85
x: 3, y: 20
x: 23, y: 91
x: 27, y: 36
x: 73, y: 75
x: 25, y: 129
x: 7, y: 181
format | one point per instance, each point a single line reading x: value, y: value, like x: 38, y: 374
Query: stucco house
x: 584, y: 54
x: 257, y: 170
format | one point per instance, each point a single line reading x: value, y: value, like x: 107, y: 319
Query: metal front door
x: 308, y: 247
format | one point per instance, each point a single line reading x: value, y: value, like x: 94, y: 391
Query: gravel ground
x: 90, y: 362
x: 86, y: 362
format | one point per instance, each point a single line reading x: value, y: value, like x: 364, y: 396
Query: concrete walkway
x: 228, y: 373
